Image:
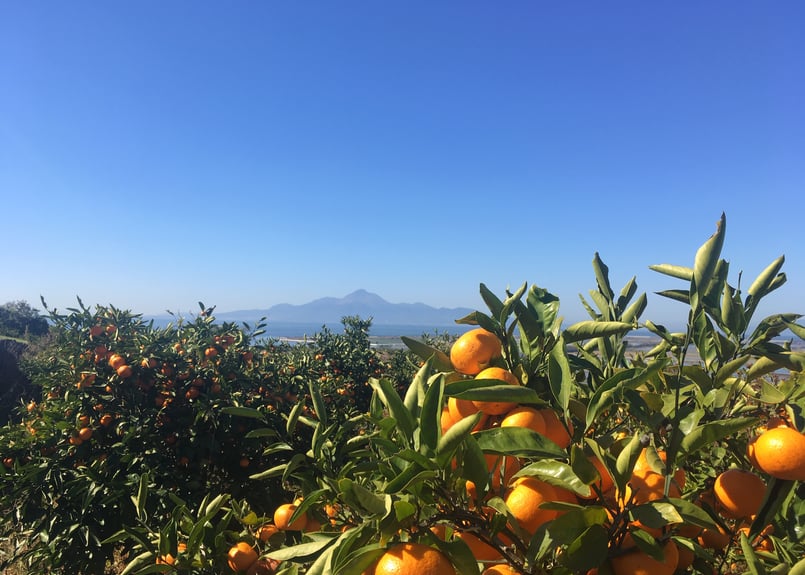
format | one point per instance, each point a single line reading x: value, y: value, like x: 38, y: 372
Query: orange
x: 282, y: 516
x: 780, y: 452
x: 474, y: 351
x: 524, y: 499
x: 555, y: 429
x: 649, y: 487
x: 643, y: 466
x: 265, y: 566
x: 116, y: 360
x: 525, y: 416
x: 412, y: 559
x: 241, y: 556
x: 481, y: 550
x: 446, y: 420
x: 714, y: 538
x: 84, y: 433
x: 124, y: 371
x: 496, y: 407
x: 266, y: 532
x: 166, y: 559
x: 461, y: 408
x: 636, y: 562
x: 501, y: 569
x: 739, y: 493
x: 605, y: 484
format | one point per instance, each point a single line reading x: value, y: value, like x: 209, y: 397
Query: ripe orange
x: 739, y: 493
x: 555, y: 429
x: 124, y: 371
x: 481, y: 550
x: 496, y: 407
x: 474, y: 351
x: 524, y: 416
x: 605, y: 484
x: 714, y: 538
x: 166, y: 559
x: 780, y: 452
x: 116, y: 360
x: 500, y: 569
x: 241, y: 556
x: 642, y: 466
x: 412, y: 559
x: 636, y: 562
x: 282, y: 517
x: 524, y: 499
x: 84, y: 433
x: 649, y: 487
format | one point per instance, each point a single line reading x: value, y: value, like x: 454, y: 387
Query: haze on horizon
x: 245, y: 155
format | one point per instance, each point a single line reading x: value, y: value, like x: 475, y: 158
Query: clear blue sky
x: 153, y: 154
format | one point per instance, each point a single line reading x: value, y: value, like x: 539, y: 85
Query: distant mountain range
x: 330, y: 310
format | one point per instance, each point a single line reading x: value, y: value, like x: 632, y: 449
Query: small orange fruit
x: 116, y: 360
x: 84, y: 433
x: 524, y: 416
x: 636, y: 562
x: 412, y: 559
x: 474, y: 351
x: 524, y: 500
x: 500, y: 569
x: 780, y: 452
x: 282, y: 518
x: 481, y: 550
x: 555, y: 430
x: 124, y: 371
x: 241, y: 556
x: 739, y: 493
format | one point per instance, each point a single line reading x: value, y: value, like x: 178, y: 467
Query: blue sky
x: 153, y: 154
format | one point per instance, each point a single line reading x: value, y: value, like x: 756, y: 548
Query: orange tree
x: 175, y: 409
x: 629, y: 471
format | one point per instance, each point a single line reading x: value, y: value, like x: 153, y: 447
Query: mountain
x: 330, y: 310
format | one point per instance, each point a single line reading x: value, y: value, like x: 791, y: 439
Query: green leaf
x: 318, y: 403
x: 492, y: 301
x: 679, y: 272
x: 543, y: 308
x: 247, y: 412
x: 449, y: 442
x: 588, y: 550
x: 293, y: 418
x: 707, y: 257
x: 492, y: 390
x: 676, y: 295
x: 589, y: 329
x: 430, y: 419
x: 518, y: 441
x: 141, y: 498
x: 760, y: 287
x: 441, y: 361
x: 602, y: 277
x: 303, y: 550
x: 626, y: 461
x: 560, y: 377
x: 752, y: 562
x: 798, y: 568
x: 714, y: 431
x: 369, y: 501
x: 391, y: 399
x: 556, y: 473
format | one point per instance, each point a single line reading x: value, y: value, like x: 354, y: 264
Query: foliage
x: 360, y: 444
x: 19, y: 320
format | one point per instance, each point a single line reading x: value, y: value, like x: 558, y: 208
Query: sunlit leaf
x: 441, y: 361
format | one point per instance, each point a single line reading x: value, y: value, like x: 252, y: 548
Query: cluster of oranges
x: 736, y: 495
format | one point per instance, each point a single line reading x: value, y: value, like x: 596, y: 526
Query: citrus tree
x: 533, y: 448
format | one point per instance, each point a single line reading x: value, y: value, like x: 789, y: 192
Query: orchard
x: 521, y: 446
